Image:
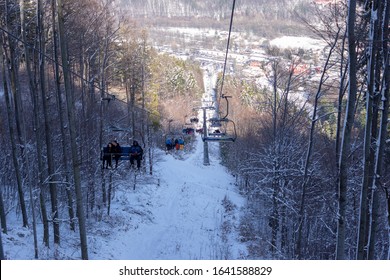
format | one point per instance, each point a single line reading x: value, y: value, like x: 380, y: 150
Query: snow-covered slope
x: 192, y: 214
x: 184, y: 211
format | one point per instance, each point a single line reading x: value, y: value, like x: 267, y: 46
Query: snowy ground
x: 298, y: 42
x: 180, y: 219
x: 185, y: 211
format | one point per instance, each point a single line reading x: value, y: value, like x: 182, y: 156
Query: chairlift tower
x: 206, y: 158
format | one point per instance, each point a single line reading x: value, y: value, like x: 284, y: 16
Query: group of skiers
x: 177, y: 144
x: 114, y: 150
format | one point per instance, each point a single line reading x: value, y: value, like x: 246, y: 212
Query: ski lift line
x: 111, y: 96
x: 227, y: 48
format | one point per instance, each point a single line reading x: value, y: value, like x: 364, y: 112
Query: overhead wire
x: 227, y: 47
x: 222, y: 95
x: 218, y: 136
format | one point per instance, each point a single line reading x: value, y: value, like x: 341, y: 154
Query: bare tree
x: 370, y: 127
x: 13, y: 99
x: 61, y: 116
x: 52, y: 178
x: 346, y: 136
x: 72, y: 130
x: 39, y: 151
x: 377, y: 182
x: 307, y: 164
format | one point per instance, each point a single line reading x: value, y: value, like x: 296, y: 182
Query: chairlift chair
x: 194, y: 120
x: 224, y: 130
x: 215, y: 122
x: 116, y: 132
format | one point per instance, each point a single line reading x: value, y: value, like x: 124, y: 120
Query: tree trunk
x: 36, y: 125
x: 39, y: 154
x: 370, y: 126
x: 274, y: 218
x: 72, y: 129
x: 341, y: 94
x: 2, y: 257
x: 109, y: 194
x: 31, y: 84
x: 62, y: 122
x: 10, y: 61
x: 150, y: 150
x: 309, y: 150
x: 346, y: 137
x: 3, y: 216
x: 49, y: 149
x: 381, y: 139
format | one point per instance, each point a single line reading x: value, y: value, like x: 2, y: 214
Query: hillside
x: 192, y: 214
x: 259, y: 16
x: 303, y: 118
x: 185, y: 211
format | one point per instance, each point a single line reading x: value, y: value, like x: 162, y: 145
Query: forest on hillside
x: 320, y: 168
x: 72, y: 70
x: 261, y: 17
x: 280, y: 9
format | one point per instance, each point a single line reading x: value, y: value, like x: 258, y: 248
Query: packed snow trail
x: 183, y: 217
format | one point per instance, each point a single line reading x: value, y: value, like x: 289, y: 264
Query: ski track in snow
x: 183, y: 216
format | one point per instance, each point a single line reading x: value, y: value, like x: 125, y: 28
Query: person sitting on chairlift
x: 107, y: 156
x: 136, y: 153
x: 116, y: 150
x: 169, y: 144
x: 177, y: 144
x: 181, y: 143
x: 194, y: 120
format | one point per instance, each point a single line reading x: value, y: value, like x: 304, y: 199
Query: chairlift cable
x: 222, y: 137
x: 227, y: 48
